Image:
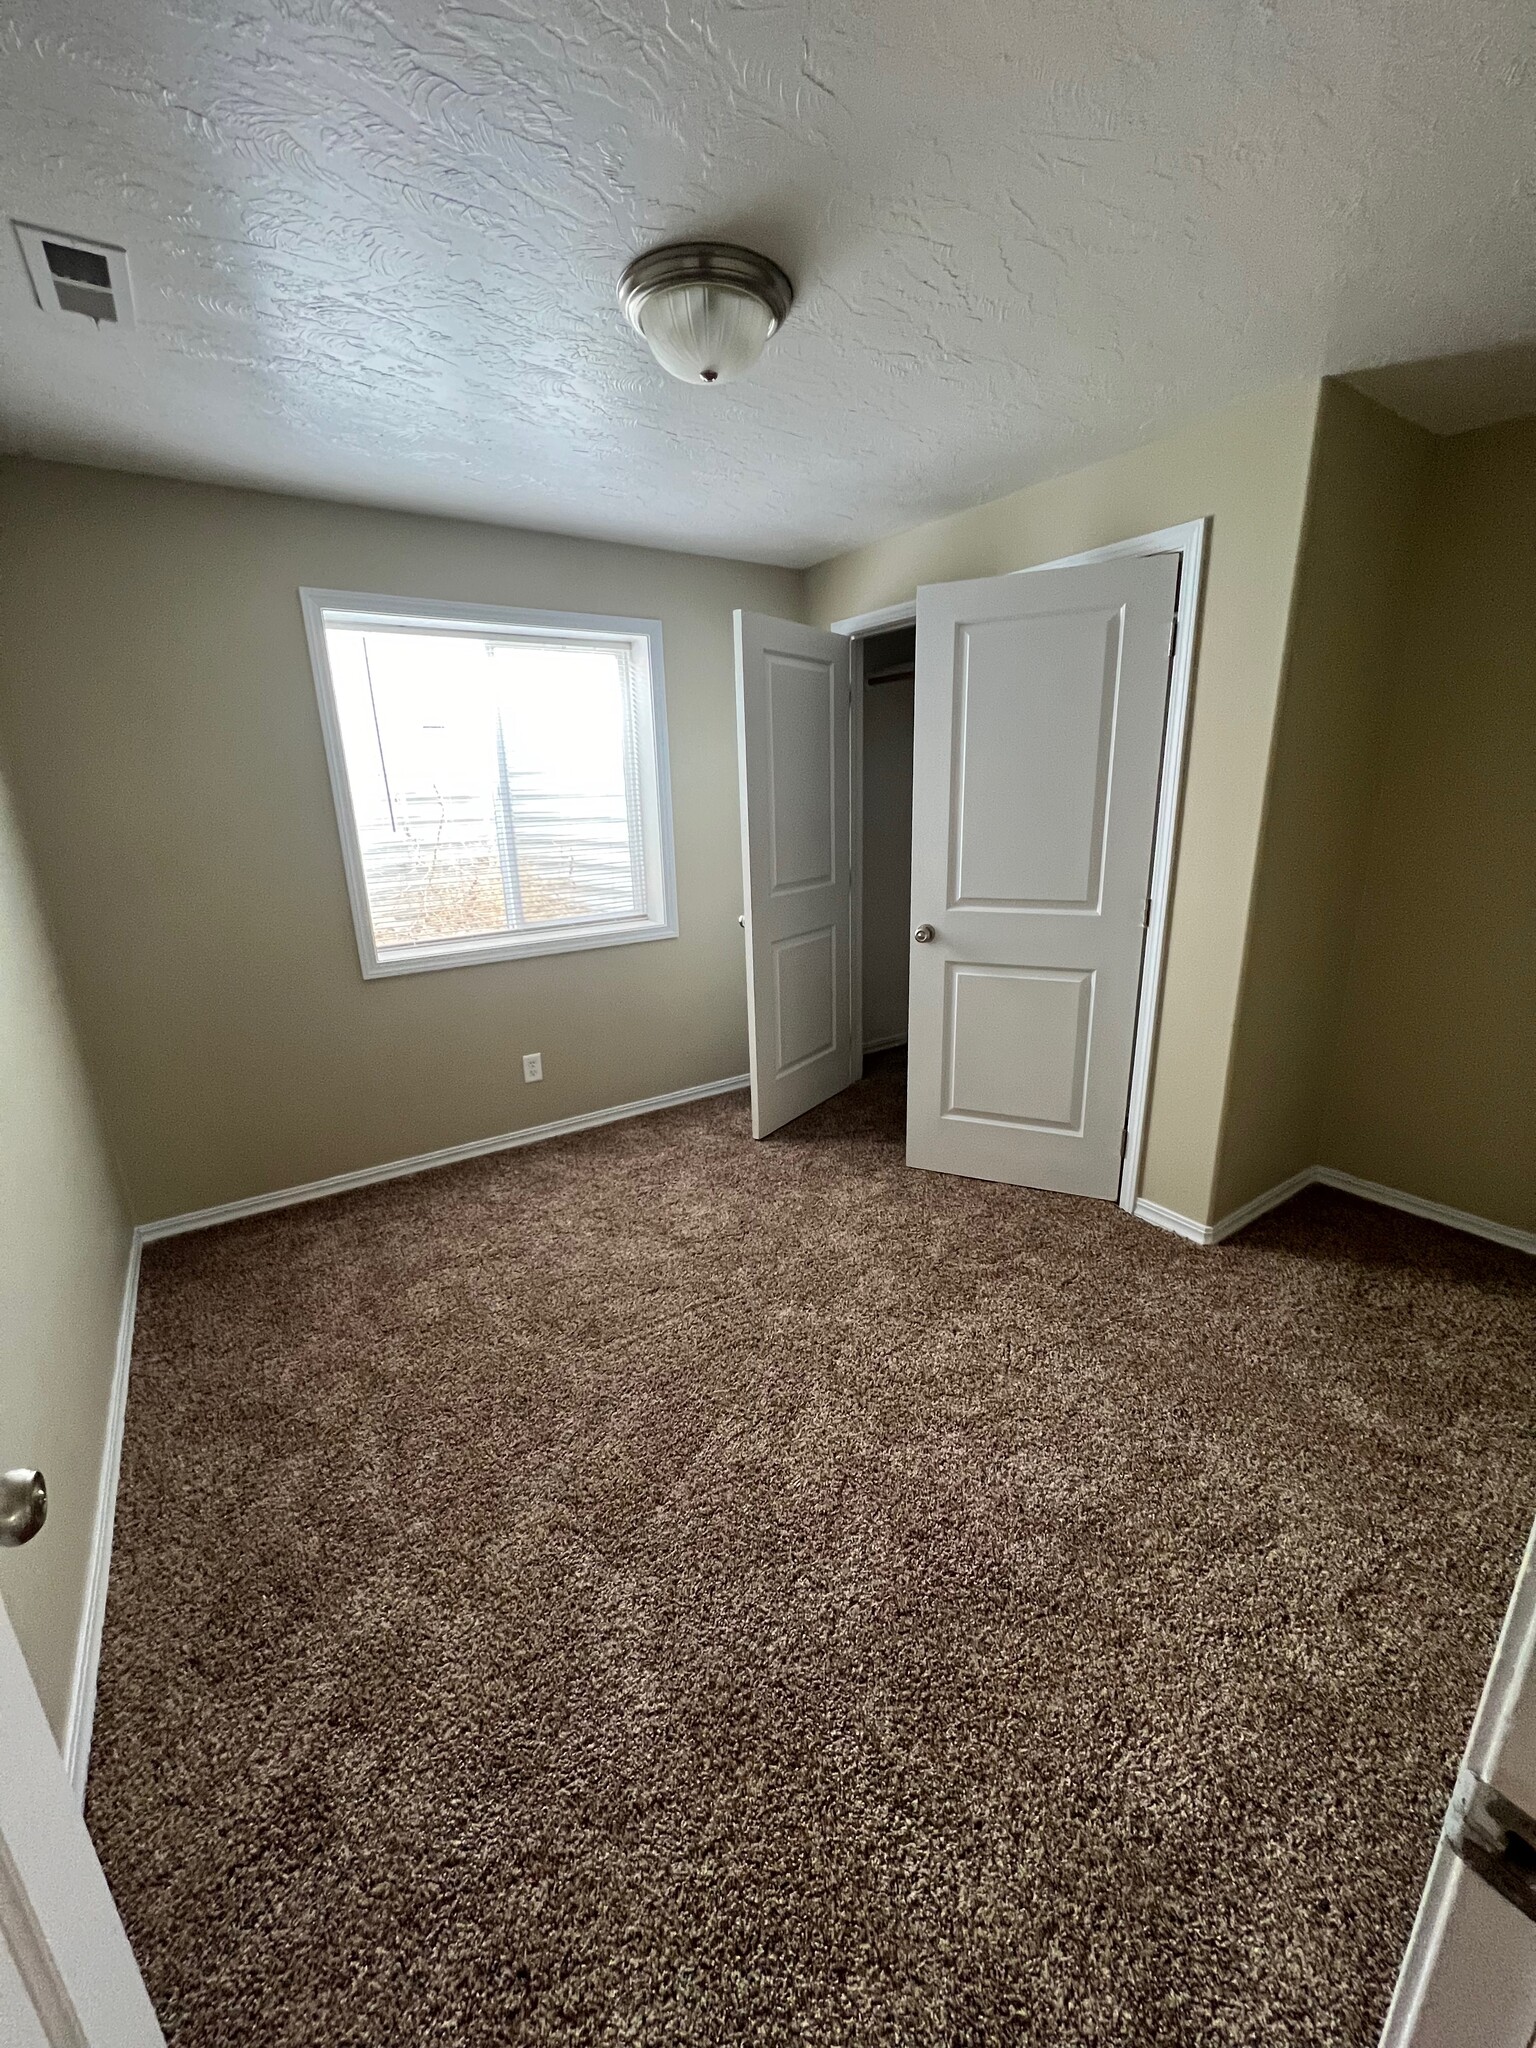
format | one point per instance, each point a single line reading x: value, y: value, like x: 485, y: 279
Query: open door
x: 1038, y: 735
x: 1469, y: 1977
x: 794, y: 711
x: 67, y: 1975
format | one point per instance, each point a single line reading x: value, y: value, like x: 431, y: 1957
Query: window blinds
x: 495, y: 781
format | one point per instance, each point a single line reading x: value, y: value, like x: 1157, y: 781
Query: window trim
x: 434, y: 614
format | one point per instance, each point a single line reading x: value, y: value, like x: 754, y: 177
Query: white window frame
x: 364, y: 608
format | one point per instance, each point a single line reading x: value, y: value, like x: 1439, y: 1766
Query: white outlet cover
x: 533, y: 1066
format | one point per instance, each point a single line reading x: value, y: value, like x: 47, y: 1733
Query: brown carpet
x: 653, y: 1588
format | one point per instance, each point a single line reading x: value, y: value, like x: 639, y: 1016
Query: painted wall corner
x: 1365, y: 479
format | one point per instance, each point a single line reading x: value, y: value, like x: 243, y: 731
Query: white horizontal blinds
x: 570, y: 792
x: 494, y: 781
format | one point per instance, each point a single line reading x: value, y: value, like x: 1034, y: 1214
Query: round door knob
x: 924, y: 934
x: 23, y: 1506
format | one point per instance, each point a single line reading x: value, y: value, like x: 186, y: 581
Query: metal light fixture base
x: 725, y: 264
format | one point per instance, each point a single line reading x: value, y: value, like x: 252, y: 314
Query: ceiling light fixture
x: 706, y: 308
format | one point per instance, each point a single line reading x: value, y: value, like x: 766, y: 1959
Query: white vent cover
x: 70, y: 275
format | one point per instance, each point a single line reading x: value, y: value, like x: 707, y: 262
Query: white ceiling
x: 374, y: 242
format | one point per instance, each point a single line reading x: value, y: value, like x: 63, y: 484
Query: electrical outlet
x: 533, y: 1066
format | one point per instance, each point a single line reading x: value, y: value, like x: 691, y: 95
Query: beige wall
x: 1247, y: 467
x: 1432, y: 1086
x: 63, y: 1258
x: 158, y: 714
x: 1362, y: 508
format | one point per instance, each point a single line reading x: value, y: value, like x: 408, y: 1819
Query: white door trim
x: 856, y: 1045
x: 903, y: 614
x: 1189, y: 541
x: 81, y: 1711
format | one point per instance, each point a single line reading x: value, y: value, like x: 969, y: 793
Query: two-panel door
x: 1040, y: 706
x: 794, y: 716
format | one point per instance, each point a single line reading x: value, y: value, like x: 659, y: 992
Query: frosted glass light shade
x: 705, y: 333
x: 705, y: 308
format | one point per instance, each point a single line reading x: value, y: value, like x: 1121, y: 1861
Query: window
x: 500, y: 778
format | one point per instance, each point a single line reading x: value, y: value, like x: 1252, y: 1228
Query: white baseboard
x: 1225, y: 1226
x: 1330, y: 1176
x: 1170, y: 1219
x: 1250, y: 1212
x: 81, y: 1711
x: 1433, y: 1212
x: 891, y: 1038
x: 426, y: 1162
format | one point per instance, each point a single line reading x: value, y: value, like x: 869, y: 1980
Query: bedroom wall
x: 1350, y: 969
x: 158, y: 715
x: 1430, y: 1088
x: 1363, y: 503
x: 64, y: 1246
x: 1247, y: 467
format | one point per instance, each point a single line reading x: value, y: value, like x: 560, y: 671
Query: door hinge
x: 1125, y: 1139
x: 1494, y: 1838
x: 1173, y: 635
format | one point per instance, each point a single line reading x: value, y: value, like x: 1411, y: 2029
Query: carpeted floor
x: 653, y: 1588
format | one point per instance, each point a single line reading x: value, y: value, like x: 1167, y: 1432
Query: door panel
x: 1035, y: 708
x: 802, y: 741
x: 805, y: 997
x: 1040, y: 703
x: 1018, y: 1045
x: 794, y: 709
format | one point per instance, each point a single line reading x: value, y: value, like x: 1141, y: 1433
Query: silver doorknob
x: 924, y: 934
x: 23, y: 1506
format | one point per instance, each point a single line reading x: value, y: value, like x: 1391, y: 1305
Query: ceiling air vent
x: 74, y: 276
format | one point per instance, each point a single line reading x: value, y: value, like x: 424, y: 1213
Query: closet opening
x: 883, y: 667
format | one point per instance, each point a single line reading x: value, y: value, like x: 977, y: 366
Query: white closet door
x: 67, y: 1974
x: 1469, y: 1977
x: 793, y: 720
x: 1038, y: 732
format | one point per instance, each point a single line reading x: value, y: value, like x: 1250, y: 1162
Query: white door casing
x: 1468, y: 1978
x: 67, y: 1975
x: 1038, y: 740
x: 794, y: 749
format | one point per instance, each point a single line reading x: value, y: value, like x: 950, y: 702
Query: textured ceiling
x: 374, y: 242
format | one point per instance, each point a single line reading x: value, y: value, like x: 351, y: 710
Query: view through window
x: 502, y: 784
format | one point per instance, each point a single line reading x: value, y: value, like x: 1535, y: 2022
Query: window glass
x: 501, y: 784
